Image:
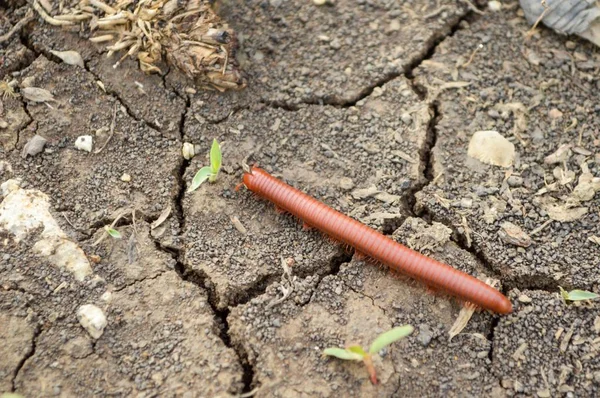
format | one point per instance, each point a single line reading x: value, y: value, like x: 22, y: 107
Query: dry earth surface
x: 367, y: 105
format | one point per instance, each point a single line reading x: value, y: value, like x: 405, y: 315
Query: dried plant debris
x: 566, y: 208
x: 188, y: 34
x: 429, y: 238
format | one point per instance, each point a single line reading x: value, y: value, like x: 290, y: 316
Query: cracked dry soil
x: 348, y: 102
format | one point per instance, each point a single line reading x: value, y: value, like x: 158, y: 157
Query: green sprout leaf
x: 342, y: 354
x: 112, y: 232
x: 202, y: 175
x: 215, y: 160
x: 357, y: 350
x: 577, y: 295
x: 389, y: 337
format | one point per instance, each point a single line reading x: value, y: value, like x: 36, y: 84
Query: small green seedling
x: 357, y: 353
x: 112, y: 232
x: 211, y: 172
x: 576, y: 295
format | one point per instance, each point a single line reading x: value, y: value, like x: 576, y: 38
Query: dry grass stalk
x: 187, y: 34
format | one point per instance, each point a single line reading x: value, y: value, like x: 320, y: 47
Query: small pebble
x: 92, y: 319
x: 84, y: 143
x: 125, y: 177
x: 555, y: 113
x: 524, y: 299
x: 188, y: 150
x: 406, y: 118
x: 466, y: 203
x: 494, y: 5
x: 424, y: 335
x: 346, y: 183
x: 515, y: 181
x: 571, y: 45
x: 335, y: 44
x: 34, y: 146
x: 394, y: 26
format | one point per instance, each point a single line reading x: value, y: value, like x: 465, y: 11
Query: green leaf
x: 357, y: 350
x: 579, y: 295
x: 113, y: 232
x: 202, y: 175
x: 387, y: 338
x: 215, y: 158
x: 342, y: 354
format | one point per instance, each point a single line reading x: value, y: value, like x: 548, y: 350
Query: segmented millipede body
x: 371, y: 243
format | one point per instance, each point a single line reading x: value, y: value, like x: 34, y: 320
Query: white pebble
x: 494, y: 5
x: 492, y: 148
x: 84, y: 143
x: 106, y: 296
x: 92, y: 319
x: 125, y: 177
x: 188, y: 151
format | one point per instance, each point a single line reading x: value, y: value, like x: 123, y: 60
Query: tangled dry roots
x: 187, y: 33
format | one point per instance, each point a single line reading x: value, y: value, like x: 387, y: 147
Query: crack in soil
x: 121, y: 102
x: 233, y: 112
x: 363, y: 294
x: 407, y: 70
x: 490, y: 337
x: 24, y: 62
x: 53, y: 58
x: 343, y: 257
x: 135, y: 282
x: 427, y: 161
x: 29, y: 354
x: 31, y: 121
x: 202, y: 280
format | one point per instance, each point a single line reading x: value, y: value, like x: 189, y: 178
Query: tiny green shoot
x: 215, y: 160
x: 211, y: 172
x: 112, y: 232
x: 577, y: 295
x: 357, y: 353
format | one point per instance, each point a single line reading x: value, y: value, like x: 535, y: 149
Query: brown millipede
x: 371, y: 243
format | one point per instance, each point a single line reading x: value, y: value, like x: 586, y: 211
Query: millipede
x: 369, y: 242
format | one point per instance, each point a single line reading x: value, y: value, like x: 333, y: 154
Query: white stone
x: 494, y: 5
x: 106, y: 296
x: 188, y: 150
x: 492, y: 148
x: 64, y: 253
x: 84, y: 143
x: 92, y: 319
x: 23, y: 211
